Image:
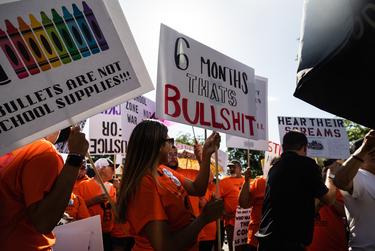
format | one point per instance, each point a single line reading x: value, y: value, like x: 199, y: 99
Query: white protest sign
x: 62, y: 62
x: 261, y: 102
x: 135, y: 111
x: 105, y: 133
x: 241, y: 226
x: 199, y: 86
x: 79, y: 235
x: 327, y: 138
x: 273, y: 151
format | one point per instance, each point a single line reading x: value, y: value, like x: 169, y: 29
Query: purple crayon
x: 22, y: 49
x: 95, y: 27
x: 12, y: 56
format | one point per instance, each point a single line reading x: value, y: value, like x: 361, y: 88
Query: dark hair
x: 294, y: 140
x: 142, y: 155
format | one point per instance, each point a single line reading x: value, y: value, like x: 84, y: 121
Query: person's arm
x: 244, y: 200
x: 345, y: 175
x: 198, y: 187
x: 96, y: 200
x: 46, y: 213
x: 163, y: 239
x: 330, y: 197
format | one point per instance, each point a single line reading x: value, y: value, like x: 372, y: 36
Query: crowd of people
x: 156, y: 205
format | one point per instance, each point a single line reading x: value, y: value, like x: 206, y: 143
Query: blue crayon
x: 76, y: 33
x: 85, y: 30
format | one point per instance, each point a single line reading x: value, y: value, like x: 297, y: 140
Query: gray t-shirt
x: 360, y: 211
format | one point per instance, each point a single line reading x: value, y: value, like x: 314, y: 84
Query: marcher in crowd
x: 356, y: 178
x: 153, y: 197
x: 97, y: 201
x: 294, y: 182
x: 330, y: 223
x: 230, y: 188
x: 35, y: 187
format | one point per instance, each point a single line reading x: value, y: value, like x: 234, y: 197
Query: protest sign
x: 79, y: 235
x: 62, y: 62
x: 135, y: 111
x: 199, y: 86
x: 261, y: 102
x: 327, y: 138
x: 273, y: 151
x: 241, y: 226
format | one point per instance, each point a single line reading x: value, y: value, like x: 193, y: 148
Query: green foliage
x: 242, y: 156
x: 355, y: 131
x: 188, y: 139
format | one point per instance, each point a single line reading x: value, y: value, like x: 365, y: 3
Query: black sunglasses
x: 170, y: 141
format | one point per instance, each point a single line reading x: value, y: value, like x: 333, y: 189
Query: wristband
x: 74, y: 160
x: 357, y: 158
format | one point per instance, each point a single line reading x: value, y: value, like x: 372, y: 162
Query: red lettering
x: 236, y: 121
x: 251, y: 119
x: 172, y: 98
x: 201, y: 115
x: 214, y: 123
x: 185, y: 112
x: 225, y: 117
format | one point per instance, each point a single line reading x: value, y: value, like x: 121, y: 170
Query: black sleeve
x: 318, y: 187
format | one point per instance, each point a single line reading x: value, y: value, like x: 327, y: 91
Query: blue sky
x: 262, y: 34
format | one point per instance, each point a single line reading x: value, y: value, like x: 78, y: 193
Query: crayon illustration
x: 12, y: 56
x: 31, y: 41
x: 43, y: 40
x: 85, y: 30
x: 3, y: 77
x: 22, y: 49
x: 76, y: 34
x: 55, y: 38
x: 64, y: 33
x: 95, y: 26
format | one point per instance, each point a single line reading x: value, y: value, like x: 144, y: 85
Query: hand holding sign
x: 213, y: 210
x: 212, y: 144
x: 77, y: 142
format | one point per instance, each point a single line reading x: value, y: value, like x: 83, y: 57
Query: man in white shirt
x: 357, y: 180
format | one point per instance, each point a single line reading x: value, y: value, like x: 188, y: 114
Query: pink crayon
x: 12, y: 56
x: 22, y: 49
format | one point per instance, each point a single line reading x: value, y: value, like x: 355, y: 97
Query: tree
x: 355, y: 131
x: 242, y: 156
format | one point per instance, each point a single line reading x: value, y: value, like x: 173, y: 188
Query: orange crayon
x: 43, y: 40
x: 33, y: 45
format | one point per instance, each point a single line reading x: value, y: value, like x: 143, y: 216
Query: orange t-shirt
x: 89, y: 189
x: 329, y: 229
x: 230, y: 188
x: 76, y: 184
x: 257, y: 190
x: 191, y: 174
x: 121, y: 230
x: 161, y: 200
x: 208, y: 233
x: 77, y: 208
x: 26, y: 176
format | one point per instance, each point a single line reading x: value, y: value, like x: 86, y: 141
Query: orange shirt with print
x: 77, y: 208
x: 329, y: 229
x: 191, y: 174
x: 208, y: 233
x: 26, y: 176
x: 230, y: 188
x: 161, y: 200
x: 89, y: 189
x: 257, y: 191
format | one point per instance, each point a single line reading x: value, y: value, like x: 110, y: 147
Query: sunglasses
x: 169, y: 140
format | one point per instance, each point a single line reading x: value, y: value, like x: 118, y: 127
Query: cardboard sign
x: 262, y: 121
x: 135, y: 111
x: 82, y: 235
x: 199, y: 86
x: 274, y: 150
x: 241, y: 226
x: 327, y: 138
x: 62, y: 62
